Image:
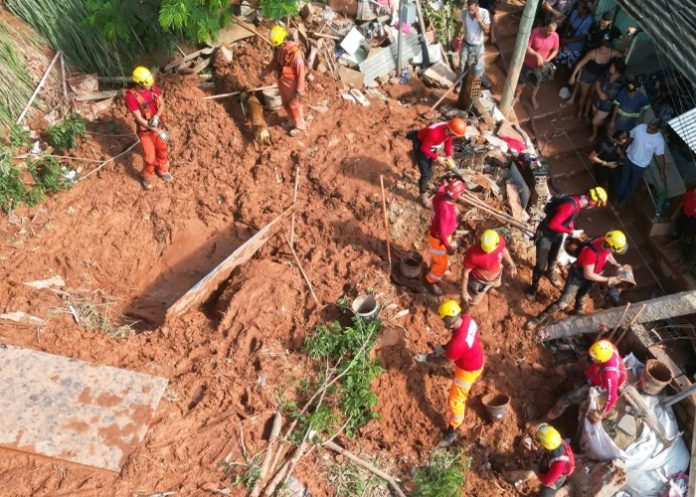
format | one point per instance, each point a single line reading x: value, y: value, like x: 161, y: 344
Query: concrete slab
x: 68, y: 409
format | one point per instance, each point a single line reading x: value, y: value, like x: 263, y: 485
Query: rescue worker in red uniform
x: 466, y: 351
x: 602, y: 368
x: 560, y: 218
x: 426, y: 142
x: 483, y: 268
x: 144, y: 101
x: 557, y: 461
x: 289, y: 66
x: 685, y: 225
x: 586, y: 271
x: 442, y: 226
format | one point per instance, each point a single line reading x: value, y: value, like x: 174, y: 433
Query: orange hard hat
x: 455, y: 188
x: 457, y: 126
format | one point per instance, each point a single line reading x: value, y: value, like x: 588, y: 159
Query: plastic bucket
x: 410, y: 264
x: 496, y: 405
x: 366, y: 307
x: 655, y: 377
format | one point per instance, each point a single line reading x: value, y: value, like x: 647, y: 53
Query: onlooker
x: 646, y: 142
x: 604, y: 30
x: 476, y: 23
x: 685, y: 226
x: 492, y: 7
x: 607, y: 87
x: 587, y: 71
x: 537, y: 68
x: 558, y: 9
x: 606, y: 159
x: 629, y: 108
x: 577, y: 27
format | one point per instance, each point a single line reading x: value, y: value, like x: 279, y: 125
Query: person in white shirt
x: 476, y: 23
x: 645, y: 142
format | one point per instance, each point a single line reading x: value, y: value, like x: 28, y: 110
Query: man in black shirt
x: 606, y: 160
x: 604, y: 30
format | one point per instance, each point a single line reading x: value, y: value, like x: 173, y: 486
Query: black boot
x: 449, y: 437
x: 534, y: 287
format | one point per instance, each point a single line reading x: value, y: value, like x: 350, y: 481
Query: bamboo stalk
x: 265, y: 465
x: 628, y: 326
x: 294, y: 199
x: 62, y: 75
x: 618, y: 323
x: 386, y: 222
x: 284, y: 472
x: 304, y: 275
x: 232, y: 94
x: 38, y: 88
x: 360, y: 462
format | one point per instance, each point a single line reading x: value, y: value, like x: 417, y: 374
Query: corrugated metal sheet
x: 685, y: 126
x: 382, y: 61
x: 672, y: 26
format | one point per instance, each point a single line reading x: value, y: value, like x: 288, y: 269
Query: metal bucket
x: 366, y: 307
x: 655, y: 377
x: 271, y: 97
x: 496, y: 405
x: 410, y: 264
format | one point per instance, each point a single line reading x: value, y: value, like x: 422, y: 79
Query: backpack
x: 551, y: 207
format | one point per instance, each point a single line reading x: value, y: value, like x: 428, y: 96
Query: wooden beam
x: 669, y: 306
x: 191, y: 56
x: 212, y: 280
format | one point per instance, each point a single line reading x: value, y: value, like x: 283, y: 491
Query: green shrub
x: 195, y: 20
x: 444, y: 476
x: 64, y: 135
x: 348, y: 350
x: 12, y: 189
x: 279, y: 9
x: 49, y: 174
x: 19, y: 137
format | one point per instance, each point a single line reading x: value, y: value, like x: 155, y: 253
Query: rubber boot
x: 167, y: 177
x: 534, y: 287
x: 435, y: 289
x: 579, y: 309
x: 449, y: 437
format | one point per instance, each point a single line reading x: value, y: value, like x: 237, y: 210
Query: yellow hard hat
x: 450, y: 309
x: 548, y: 437
x: 601, y: 351
x: 616, y: 241
x: 490, y: 240
x: 598, y: 195
x: 143, y: 77
x: 277, y: 35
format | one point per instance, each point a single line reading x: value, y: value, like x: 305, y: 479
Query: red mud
x: 228, y: 361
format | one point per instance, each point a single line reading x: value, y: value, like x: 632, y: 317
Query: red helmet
x: 457, y: 126
x: 455, y: 188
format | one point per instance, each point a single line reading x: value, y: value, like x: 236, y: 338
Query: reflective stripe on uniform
x: 462, y: 383
x: 563, y: 458
x: 611, y: 369
x: 438, y: 252
x: 434, y: 277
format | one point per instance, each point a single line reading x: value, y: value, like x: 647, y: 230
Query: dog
x: 258, y: 124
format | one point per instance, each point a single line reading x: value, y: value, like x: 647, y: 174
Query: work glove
x: 449, y: 163
x: 163, y: 135
x: 594, y: 417
x: 613, y: 281
x: 154, y: 122
x: 577, y: 234
x: 513, y: 270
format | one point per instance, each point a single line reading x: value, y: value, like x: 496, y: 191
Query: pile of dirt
x: 229, y: 361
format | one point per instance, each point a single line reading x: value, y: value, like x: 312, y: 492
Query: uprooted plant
x: 65, y: 134
x: 93, y: 310
x: 443, y: 476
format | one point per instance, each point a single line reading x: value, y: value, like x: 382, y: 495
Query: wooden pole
x: 265, y: 465
x: 62, y: 75
x: 628, y: 326
x: 424, y: 41
x: 399, y: 40
x: 294, y: 199
x: 251, y: 29
x: 513, y: 74
x: 225, y: 95
x: 618, y: 323
x: 38, y: 88
x: 304, y: 275
x: 386, y: 221
x: 449, y: 90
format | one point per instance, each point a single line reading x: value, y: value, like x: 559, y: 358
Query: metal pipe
x: 670, y: 401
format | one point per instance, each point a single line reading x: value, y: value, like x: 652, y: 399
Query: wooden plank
x: 212, y: 280
x: 669, y: 306
x: 518, y: 212
x: 97, y: 95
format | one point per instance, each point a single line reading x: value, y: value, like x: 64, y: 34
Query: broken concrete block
x: 350, y: 77
x: 439, y: 75
x: 307, y: 11
x: 627, y: 424
x: 225, y: 54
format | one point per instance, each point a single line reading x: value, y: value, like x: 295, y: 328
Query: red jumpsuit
x: 154, y: 148
x: 442, y: 225
x: 609, y: 376
x: 290, y: 69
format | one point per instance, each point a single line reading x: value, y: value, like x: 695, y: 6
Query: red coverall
x: 556, y: 466
x: 442, y: 225
x: 154, y: 148
x: 609, y: 376
x: 290, y: 69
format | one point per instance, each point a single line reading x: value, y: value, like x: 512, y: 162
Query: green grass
x: 16, y: 85
x: 65, y: 134
x: 443, y: 476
